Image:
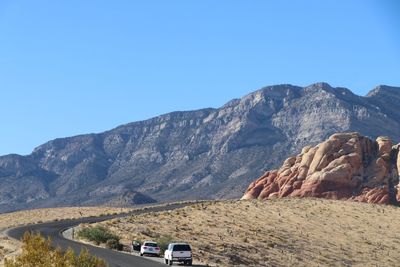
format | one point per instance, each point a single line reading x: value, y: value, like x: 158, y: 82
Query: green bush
x: 97, y: 234
x: 163, y: 243
x: 38, y: 252
x: 100, y: 235
x: 114, y: 244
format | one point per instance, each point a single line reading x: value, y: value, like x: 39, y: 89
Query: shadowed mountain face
x: 209, y: 153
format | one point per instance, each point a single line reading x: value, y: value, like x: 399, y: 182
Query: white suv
x: 150, y: 248
x: 180, y: 252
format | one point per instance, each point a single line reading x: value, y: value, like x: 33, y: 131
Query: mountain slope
x: 208, y: 153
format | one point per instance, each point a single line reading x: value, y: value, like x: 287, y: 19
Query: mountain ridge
x: 211, y: 152
x: 369, y: 94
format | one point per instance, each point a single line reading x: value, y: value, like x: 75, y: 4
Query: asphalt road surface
x: 113, y: 258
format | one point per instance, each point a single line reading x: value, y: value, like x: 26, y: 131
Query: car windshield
x: 150, y: 245
x: 182, y: 248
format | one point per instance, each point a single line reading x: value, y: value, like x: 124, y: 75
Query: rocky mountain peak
x: 320, y: 85
x: 384, y: 91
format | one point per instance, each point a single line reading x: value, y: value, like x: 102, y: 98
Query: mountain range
x: 207, y: 153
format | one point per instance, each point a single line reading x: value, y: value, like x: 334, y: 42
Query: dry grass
x: 282, y: 232
x: 9, y: 246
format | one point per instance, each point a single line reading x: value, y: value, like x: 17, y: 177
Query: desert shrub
x: 85, y: 260
x: 98, y: 234
x: 148, y: 232
x: 113, y: 243
x: 205, y: 247
x: 163, y: 242
x: 37, y: 252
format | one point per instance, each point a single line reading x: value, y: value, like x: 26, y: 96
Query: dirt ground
x: 281, y: 232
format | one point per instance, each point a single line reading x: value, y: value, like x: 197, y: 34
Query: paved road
x: 114, y: 259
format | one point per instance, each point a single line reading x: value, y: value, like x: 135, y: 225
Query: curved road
x: 113, y: 258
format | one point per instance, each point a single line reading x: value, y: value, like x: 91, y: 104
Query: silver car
x: 150, y: 248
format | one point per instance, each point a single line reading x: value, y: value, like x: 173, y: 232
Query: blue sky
x: 73, y: 67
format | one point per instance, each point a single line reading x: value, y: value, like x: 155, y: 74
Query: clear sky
x: 72, y: 67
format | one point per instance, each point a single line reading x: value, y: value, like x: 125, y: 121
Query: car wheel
x: 190, y: 263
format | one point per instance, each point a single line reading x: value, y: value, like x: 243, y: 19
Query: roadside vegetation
x: 280, y: 232
x: 100, y: 235
x: 38, y: 252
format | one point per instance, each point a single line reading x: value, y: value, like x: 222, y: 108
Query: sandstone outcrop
x: 398, y: 159
x: 346, y: 166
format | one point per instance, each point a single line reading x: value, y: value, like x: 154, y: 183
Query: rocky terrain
x: 208, y: 153
x: 346, y: 166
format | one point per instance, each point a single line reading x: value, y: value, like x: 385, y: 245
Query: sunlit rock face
x: 345, y: 166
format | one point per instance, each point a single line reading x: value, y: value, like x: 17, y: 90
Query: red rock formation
x: 397, y: 154
x: 346, y: 166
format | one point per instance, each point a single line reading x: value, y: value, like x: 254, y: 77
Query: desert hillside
x: 278, y: 232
